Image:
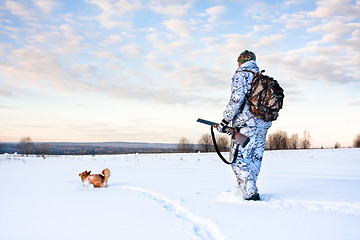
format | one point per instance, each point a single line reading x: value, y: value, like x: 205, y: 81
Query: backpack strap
x: 248, y: 71
x: 243, y: 104
x: 260, y: 72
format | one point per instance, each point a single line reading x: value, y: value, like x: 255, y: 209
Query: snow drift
x: 307, y: 194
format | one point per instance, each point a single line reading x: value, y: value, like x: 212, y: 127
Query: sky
x: 144, y: 71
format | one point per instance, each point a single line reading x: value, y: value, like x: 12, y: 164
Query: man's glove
x: 221, y: 127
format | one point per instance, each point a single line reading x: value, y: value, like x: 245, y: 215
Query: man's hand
x: 221, y: 127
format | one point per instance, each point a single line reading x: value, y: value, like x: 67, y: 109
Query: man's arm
x: 238, y: 92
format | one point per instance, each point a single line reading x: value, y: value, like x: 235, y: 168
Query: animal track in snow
x: 204, y: 228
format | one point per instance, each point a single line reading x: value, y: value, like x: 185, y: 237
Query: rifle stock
x: 239, y: 138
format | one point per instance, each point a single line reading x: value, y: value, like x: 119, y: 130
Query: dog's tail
x: 106, y: 173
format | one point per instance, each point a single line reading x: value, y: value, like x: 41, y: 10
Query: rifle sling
x: 217, y: 149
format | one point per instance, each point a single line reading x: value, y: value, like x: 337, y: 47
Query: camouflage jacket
x: 240, y: 86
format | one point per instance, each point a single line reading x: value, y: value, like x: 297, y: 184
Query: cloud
x: 44, y: 70
x: 262, y: 11
x: 354, y: 103
x: 4, y: 47
x: 82, y: 70
x: 108, y: 21
x: 166, y: 43
x: 157, y: 61
x: 178, y: 26
x: 19, y: 9
x: 131, y: 49
x: 354, y: 40
x: 33, y: 66
x: 338, y: 31
x: 338, y: 47
x: 71, y: 56
x: 260, y: 28
x: 292, y: 94
x: 330, y: 8
x: 290, y: 3
x: 269, y: 40
x: 112, y: 39
x: 119, y: 7
x: 173, y: 10
x: 31, y: 10
x: 109, y: 55
x: 6, y: 93
x: 169, y: 94
x: 314, y: 63
x: 46, y: 6
x: 235, y: 43
x: 294, y: 20
x: 113, y: 12
x: 50, y: 40
x: 215, y: 13
x: 330, y: 52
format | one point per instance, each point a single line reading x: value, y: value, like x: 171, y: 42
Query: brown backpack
x: 265, y: 97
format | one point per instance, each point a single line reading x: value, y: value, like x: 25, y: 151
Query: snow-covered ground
x: 307, y: 194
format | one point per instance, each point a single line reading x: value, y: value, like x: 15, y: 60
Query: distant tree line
x: 356, y: 143
x: 26, y: 146
x: 275, y: 141
x: 280, y: 140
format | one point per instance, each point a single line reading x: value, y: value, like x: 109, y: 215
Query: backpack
x: 265, y: 97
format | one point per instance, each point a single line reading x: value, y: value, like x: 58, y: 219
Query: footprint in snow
x: 202, y: 227
x: 271, y: 201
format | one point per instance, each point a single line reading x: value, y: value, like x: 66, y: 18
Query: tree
x: 223, y: 143
x: 305, y: 142
x: 337, y: 145
x: 294, y: 141
x: 26, y: 146
x: 42, y: 149
x: 205, y: 143
x: 356, y: 143
x: 277, y: 140
x: 185, y: 146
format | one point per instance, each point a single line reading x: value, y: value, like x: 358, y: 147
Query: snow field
x: 307, y: 194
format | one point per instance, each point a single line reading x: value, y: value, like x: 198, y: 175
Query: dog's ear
x: 89, y: 172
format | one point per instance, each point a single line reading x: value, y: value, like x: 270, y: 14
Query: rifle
x: 239, y: 138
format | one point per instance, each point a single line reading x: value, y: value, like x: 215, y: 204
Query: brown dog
x: 98, y: 180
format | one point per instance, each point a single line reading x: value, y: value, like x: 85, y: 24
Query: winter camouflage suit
x: 248, y: 160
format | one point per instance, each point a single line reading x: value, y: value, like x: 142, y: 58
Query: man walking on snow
x: 246, y: 161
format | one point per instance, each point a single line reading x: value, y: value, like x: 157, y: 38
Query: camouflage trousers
x: 248, y: 160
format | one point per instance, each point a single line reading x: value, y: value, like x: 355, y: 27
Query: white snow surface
x: 306, y: 194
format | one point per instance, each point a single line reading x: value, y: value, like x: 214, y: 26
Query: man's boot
x: 255, y: 197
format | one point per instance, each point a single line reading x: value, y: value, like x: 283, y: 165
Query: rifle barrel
x: 206, y: 122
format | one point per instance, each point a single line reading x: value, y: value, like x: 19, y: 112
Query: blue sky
x: 144, y: 71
